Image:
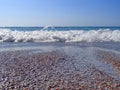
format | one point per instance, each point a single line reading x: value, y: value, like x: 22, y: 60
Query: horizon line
x: 66, y: 26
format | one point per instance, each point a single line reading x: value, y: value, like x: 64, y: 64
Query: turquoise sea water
x: 62, y: 28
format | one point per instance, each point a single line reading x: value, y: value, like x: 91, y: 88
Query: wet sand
x: 53, y: 70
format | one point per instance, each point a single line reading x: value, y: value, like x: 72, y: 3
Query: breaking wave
x: 101, y: 35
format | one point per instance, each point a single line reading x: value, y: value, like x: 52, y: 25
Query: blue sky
x: 60, y: 12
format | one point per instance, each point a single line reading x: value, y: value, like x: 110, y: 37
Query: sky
x: 60, y: 12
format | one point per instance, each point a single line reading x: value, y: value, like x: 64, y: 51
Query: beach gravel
x: 54, y: 70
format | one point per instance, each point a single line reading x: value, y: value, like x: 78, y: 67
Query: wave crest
x: 101, y: 35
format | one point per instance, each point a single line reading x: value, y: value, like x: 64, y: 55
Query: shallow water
x: 81, y: 53
x: 87, y: 55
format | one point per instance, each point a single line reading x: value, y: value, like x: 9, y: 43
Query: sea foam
x: 101, y: 35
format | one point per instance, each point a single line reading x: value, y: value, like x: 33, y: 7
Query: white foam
x: 102, y: 35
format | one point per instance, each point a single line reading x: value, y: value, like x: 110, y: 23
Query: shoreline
x: 110, y: 58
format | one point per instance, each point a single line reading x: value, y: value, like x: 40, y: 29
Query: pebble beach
x: 55, y: 70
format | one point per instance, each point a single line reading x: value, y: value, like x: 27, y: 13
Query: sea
x: 83, y: 36
x: 75, y: 41
x: 60, y: 34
